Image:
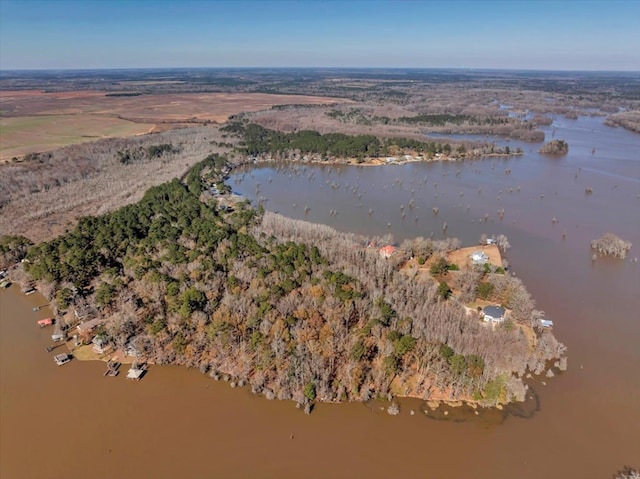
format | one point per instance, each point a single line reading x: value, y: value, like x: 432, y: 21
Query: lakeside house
x: 479, y: 257
x: 130, y: 350
x: 87, y: 326
x: 493, y: 314
x: 387, y: 251
x: 546, y: 323
x: 100, y: 344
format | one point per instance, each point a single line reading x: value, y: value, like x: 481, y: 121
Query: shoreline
x: 433, y: 404
x: 378, y: 161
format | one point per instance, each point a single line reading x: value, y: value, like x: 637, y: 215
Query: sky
x: 508, y: 34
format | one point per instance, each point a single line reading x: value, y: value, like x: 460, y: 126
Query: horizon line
x: 489, y: 69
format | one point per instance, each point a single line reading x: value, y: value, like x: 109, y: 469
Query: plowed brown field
x: 36, y: 121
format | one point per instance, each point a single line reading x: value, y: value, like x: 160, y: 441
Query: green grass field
x: 22, y: 135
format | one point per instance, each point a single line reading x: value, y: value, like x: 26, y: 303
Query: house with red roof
x: 387, y: 251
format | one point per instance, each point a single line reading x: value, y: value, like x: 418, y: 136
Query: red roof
x: 387, y: 250
x: 45, y: 322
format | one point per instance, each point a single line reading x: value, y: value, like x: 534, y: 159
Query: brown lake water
x: 72, y: 422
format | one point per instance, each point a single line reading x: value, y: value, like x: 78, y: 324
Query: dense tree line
x: 444, y: 119
x: 257, y: 140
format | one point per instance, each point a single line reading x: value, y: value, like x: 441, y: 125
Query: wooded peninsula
x: 294, y: 310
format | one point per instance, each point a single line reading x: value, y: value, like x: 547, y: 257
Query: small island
x: 555, y: 148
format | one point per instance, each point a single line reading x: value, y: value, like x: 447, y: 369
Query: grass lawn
x: 86, y: 353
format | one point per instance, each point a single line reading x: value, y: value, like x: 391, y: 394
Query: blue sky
x: 551, y: 35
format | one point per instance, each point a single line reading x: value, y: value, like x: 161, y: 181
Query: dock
x: 43, y: 323
x: 112, y: 369
x: 135, y: 372
x: 61, y: 359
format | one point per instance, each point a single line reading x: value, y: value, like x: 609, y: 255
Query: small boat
x: 61, y: 359
x: 5, y: 283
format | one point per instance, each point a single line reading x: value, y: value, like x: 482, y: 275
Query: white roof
x: 134, y: 373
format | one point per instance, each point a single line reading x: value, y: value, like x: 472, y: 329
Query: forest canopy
x: 257, y: 140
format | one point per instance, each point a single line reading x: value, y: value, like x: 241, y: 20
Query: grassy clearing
x: 22, y: 135
x: 86, y: 353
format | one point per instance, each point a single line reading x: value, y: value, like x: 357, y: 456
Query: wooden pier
x: 112, y: 368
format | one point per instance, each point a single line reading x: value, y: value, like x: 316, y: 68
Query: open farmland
x: 29, y: 134
x: 36, y: 121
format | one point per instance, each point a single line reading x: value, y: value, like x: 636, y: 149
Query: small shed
x: 494, y: 314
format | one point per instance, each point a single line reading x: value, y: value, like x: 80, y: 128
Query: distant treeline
x: 444, y: 119
x: 257, y: 140
x: 124, y: 94
x: 356, y: 115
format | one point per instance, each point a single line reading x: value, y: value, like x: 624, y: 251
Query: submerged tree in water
x: 611, y: 245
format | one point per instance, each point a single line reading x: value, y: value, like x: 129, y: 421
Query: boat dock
x: 43, y: 323
x: 61, y: 359
x: 112, y: 368
x: 135, y: 372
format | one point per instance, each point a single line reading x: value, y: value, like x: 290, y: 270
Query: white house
x: 100, y: 344
x: 479, y: 257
